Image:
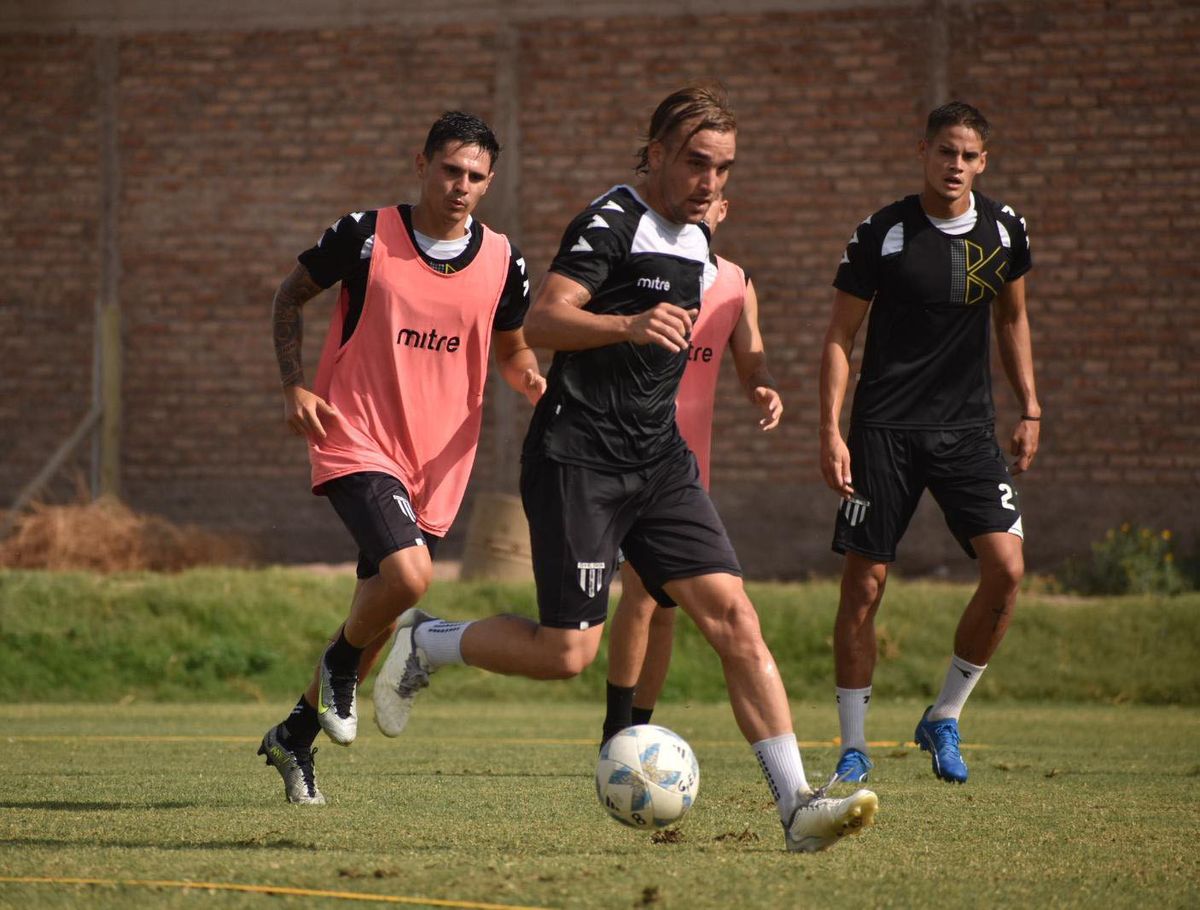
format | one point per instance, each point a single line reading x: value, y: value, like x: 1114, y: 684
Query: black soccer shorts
x: 376, y: 510
x: 660, y: 517
x: 965, y: 471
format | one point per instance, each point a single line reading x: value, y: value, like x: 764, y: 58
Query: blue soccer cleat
x: 854, y: 766
x: 940, y: 737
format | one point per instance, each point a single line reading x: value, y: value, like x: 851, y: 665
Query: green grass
x: 254, y: 635
x: 1068, y: 806
x: 134, y: 705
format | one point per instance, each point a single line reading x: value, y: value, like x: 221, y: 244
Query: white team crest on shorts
x: 855, y: 510
x: 591, y: 575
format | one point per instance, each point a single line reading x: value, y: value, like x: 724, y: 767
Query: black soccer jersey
x: 612, y: 408
x: 926, y: 364
x: 344, y: 254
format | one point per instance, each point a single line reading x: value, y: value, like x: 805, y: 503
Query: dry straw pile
x: 105, y: 535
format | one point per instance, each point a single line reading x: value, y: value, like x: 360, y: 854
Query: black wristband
x: 1027, y: 417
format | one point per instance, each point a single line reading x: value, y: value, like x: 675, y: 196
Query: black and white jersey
x: 344, y: 254
x: 612, y: 408
x: 926, y: 364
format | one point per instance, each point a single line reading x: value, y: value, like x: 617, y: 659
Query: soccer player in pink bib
x: 639, y: 650
x: 392, y: 421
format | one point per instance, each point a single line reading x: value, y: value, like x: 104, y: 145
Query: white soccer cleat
x: 820, y: 821
x: 337, y: 708
x: 405, y: 672
x: 296, y: 766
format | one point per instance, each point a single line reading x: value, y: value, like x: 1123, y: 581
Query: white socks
x: 441, y: 641
x: 779, y: 758
x: 960, y: 680
x: 852, y: 715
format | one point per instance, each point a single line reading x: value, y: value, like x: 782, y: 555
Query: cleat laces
x: 343, y: 692
x: 947, y: 735
x: 822, y: 791
x: 305, y: 762
x: 415, y: 677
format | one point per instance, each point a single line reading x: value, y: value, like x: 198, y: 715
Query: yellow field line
x: 126, y: 738
x: 263, y: 889
x: 246, y: 740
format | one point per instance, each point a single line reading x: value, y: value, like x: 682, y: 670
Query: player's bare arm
x: 1016, y: 354
x: 848, y: 315
x: 518, y: 364
x: 750, y: 360
x: 302, y: 410
x: 558, y: 321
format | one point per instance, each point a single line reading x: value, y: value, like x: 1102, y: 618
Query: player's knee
x: 732, y: 629
x: 567, y: 659
x: 862, y: 589
x: 566, y: 664
x: 406, y: 580
x: 1006, y: 571
x: 638, y: 609
x: 663, y: 619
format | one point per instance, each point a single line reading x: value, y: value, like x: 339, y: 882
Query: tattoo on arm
x: 288, y: 324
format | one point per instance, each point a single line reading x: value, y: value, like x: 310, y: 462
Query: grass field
x: 134, y: 705
x: 484, y: 803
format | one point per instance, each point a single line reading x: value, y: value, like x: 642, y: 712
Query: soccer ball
x: 647, y: 777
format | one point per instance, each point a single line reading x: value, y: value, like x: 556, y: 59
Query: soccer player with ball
x: 642, y: 631
x: 604, y: 466
x: 936, y: 270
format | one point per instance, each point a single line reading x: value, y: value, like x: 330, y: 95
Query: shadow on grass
x: 59, y: 805
x: 436, y: 773
x: 92, y: 842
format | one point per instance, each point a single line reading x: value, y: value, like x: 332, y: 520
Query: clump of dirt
x: 105, y: 535
x: 746, y: 837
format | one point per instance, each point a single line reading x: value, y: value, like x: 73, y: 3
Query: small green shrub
x: 1128, y: 560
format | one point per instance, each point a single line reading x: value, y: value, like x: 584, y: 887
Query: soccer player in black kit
x: 936, y: 270
x: 604, y: 466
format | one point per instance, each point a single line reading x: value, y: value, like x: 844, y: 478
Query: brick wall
x: 237, y: 145
x: 49, y: 212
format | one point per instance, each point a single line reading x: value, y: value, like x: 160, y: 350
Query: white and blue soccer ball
x: 647, y: 777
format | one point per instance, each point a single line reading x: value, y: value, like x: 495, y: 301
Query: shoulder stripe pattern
x: 893, y: 241
x: 524, y: 274
x: 657, y: 235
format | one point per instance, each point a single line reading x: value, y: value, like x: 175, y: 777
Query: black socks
x: 301, y: 727
x: 620, y: 711
x: 342, y: 657
x: 641, y: 715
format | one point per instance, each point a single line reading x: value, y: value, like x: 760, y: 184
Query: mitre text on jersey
x: 428, y: 341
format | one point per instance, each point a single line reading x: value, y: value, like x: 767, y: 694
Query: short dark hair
x: 707, y: 103
x: 957, y: 113
x: 466, y: 129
